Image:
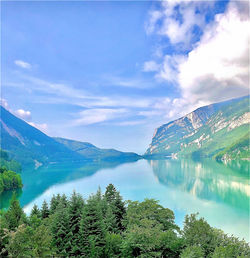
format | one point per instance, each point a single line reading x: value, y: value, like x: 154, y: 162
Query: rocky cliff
x: 204, y: 132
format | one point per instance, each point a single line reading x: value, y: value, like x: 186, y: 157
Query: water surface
x: 220, y: 193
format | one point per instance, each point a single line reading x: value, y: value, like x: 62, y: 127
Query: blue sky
x: 111, y: 72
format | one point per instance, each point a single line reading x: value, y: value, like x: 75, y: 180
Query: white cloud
x: 177, y: 19
x: 216, y: 68
x: 130, y: 123
x: 25, y: 115
x: 127, y: 82
x: 154, y: 18
x: 150, y: 66
x: 170, y: 68
x: 22, y: 64
x: 98, y: 115
x: 42, y: 127
x: 4, y: 103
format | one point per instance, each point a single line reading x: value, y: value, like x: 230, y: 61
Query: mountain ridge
x: 98, y: 154
x: 190, y: 135
x: 28, y: 145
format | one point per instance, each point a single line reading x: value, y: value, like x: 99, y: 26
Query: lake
x: 219, y: 192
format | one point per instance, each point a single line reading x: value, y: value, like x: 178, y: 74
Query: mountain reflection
x: 37, y: 181
x: 207, y: 179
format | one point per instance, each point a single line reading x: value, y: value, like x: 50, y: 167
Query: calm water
x: 219, y: 192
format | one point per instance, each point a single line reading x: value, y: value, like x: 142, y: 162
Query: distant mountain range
x: 219, y: 130
x: 28, y: 145
x: 89, y: 150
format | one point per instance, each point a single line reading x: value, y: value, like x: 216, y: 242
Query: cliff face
x: 203, y: 132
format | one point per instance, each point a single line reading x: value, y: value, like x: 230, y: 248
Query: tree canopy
x: 106, y: 226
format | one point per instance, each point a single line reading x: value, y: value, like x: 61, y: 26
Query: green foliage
x: 197, y: 232
x: 9, y: 180
x: 113, y: 245
x: 45, y: 210
x: 27, y: 242
x: 35, y: 211
x: 75, y: 210
x: 15, y: 215
x: 238, y: 150
x: 92, y: 227
x: 150, y: 230
x: 60, y: 230
x: 192, y: 252
x: 150, y: 209
x: 116, y: 209
x: 4, y: 236
x: 8, y: 163
x: 77, y: 228
x: 217, y: 128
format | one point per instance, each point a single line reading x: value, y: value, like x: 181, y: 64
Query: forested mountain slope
x: 28, y: 145
x: 205, y: 132
x: 91, y: 151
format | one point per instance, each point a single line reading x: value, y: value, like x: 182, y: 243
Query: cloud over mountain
x: 217, y: 66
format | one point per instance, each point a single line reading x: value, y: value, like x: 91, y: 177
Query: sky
x: 111, y: 72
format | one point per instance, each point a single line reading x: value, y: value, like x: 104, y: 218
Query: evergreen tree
x: 35, y: 211
x: 110, y: 221
x: 53, y: 204
x: 45, y: 210
x: 75, y: 209
x: 92, y: 228
x: 15, y: 215
x: 110, y: 194
x: 60, y: 230
x: 114, y: 200
x: 79, y: 229
x: 64, y: 201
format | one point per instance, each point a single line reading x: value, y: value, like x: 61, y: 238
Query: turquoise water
x: 220, y: 193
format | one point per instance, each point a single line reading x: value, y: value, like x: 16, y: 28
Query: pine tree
x: 35, y: 211
x: 92, y: 228
x: 110, y: 193
x: 45, y: 210
x: 60, y: 230
x: 75, y: 209
x: 114, y: 200
x: 110, y: 220
x: 120, y: 211
x: 64, y: 200
x: 15, y: 215
x: 53, y: 204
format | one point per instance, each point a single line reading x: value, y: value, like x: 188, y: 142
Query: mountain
x: 91, y: 151
x: 205, y: 132
x: 28, y: 145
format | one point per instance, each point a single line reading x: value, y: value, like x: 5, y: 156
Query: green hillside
x: 206, y: 132
x: 29, y: 146
x: 8, y: 163
x: 9, y: 178
x: 237, y: 150
x: 91, y: 151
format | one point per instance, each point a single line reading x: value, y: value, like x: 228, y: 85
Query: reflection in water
x: 36, y: 181
x: 219, y: 193
x: 6, y: 196
x: 207, y: 180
